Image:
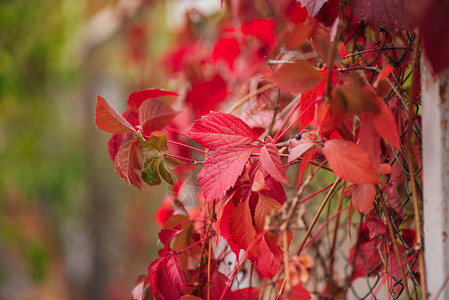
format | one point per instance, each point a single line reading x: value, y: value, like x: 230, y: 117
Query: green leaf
x: 159, y: 142
x: 150, y: 172
x: 166, y: 166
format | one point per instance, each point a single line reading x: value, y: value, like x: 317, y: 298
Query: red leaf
x: 296, y: 13
x: 313, y: 6
x: 385, y: 124
x: 271, y: 161
x: 267, y: 264
x: 155, y: 115
x: 136, y: 99
x: 221, y: 170
x: 383, y: 74
x: 295, y: 77
x: 219, y: 129
x: 109, y: 120
x: 166, y: 277
x: 190, y: 297
x: 393, y: 200
x: 226, y: 49
x: 367, y: 261
x: 249, y: 293
x: 115, y: 142
x: 242, y: 230
x: 297, y: 292
x: 166, y: 235
x: 304, y: 163
x: 223, y: 218
x: 127, y: 162
x: 297, y: 148
x: 206, y: 94
x: 363, y: 197
x: 219, y: 284
x: 433, y: 20
x: 164, y: 212
x: 375, y: 224
x: 369, y: 139
x: 388, y: 13
x: 264, y: 206
x: 263, y: 29
x: 173, y: 271
x: 350, y: 162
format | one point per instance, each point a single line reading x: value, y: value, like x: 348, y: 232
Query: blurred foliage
x: 41, y: 164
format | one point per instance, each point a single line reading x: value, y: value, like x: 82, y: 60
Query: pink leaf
x: 127, y: 162
x: 221, y: 170
x: 388, y: 13
x: 313, y: 6
x: 155, y: 115
x: 263, y: 29
x: 136, y: 99
x: 297, y: 148
x: 271, y: 161
x: 363, y: 197
x: 109, y: 120
x: 350, y: 162
x: 295, y: 77
x: 138, y: 290
x: 219, y: 129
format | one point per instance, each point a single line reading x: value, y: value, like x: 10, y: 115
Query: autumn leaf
x: 271, y: 161
x: 388, y: 13
x: 350, y: 162
x: 267, y: 264
x: 295, y: 77
x: 263, y: 29
x: 264, y: 206
x: 109, y: 120
x: 297, y: 148
x: 221, y: 170
x: 166, y: 277
x: 127, y: 162
x: 376, y: 226
x: 363, y: 197
x: 155, y: 115
x: 136, y: 99
x: 385, y: 124
x: 242, y: 230
x: 219, y: 129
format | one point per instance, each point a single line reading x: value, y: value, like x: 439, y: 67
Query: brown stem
x: 393, y: 239
x: 411, y: 168
x: 331, y: 283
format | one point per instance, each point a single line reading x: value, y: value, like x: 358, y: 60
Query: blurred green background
x: 69, y: 227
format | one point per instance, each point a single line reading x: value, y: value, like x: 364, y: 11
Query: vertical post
x: 435, y: 123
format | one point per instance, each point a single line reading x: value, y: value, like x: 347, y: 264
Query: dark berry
x: 298, y: 136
